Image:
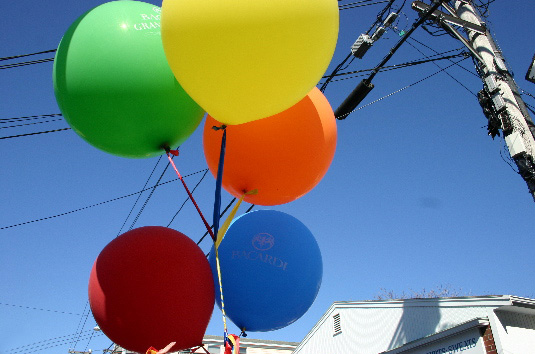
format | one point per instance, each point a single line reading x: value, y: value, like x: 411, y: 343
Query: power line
x: 97, y: 204
x: 358, y: 4
x: 187, y: 198
x: 45, y: 132
x: 354, y: 74
x: 42, y: 342
x: 148, y: 198
x: 25, y: 63
x: 40, y: 116
x: 428, y: 47
x: 220, y: 215
x: 26, y: 124
x: 27, y: 55
x: 44, y: 346
x: 39, y: 309
x: 445, y: 72
x: 404, y: 88
x: 139, y: 196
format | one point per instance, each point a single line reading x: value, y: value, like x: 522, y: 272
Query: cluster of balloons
x: 133, y: 80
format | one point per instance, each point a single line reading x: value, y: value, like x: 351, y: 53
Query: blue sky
x: 417, y: 196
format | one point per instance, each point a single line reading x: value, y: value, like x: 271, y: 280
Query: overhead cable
x: 354, y: 74
x: 40, y: 343
x: 28, y: 134
x: 98, y: 204
x: 40, y: 116
x: 139, y: 196
x: 27, y: 55
x: 25, y: 63
x: 26, y: 124
x: 360, y: 4
x: 40, y: 309
x: 187, y: 198
x: 445, y: 72
x: 406, y: 87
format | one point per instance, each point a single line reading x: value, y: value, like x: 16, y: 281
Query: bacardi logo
x: 263, y: 241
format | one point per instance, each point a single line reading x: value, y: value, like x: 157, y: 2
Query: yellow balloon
x: 243, y: 60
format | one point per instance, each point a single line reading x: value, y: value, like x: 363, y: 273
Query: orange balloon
x: 283, y: 156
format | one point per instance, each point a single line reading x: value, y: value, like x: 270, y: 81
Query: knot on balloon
x: 222, y: 127
x: 243, y: 334
x: 172, y: 152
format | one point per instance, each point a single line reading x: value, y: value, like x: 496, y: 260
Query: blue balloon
x: 271, y: 270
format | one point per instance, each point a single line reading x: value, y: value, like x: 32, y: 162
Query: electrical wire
x: 27, y: 55
x: 445, y: 72
x: 28, y: 134
x: 220, y: 215
x: 380, y: 15
x: 40, y: 309
x: 78, y: 338
x: 402, y: 89
x: 49, y: 343
x: 139, y: 196
x: 185, y: 201
x: 341, y: 8
x: 98, y: 204
x: 53, y: 344
x: 40, y: 116
x: 79, y: 329
x: 26, y: 124
x: 428, y: 47
x: 25, y: 63
x: 232, y: 201
x: 148, y: 198
x: 334, y: 72
x: 40, y: 343
x: 358, y: 73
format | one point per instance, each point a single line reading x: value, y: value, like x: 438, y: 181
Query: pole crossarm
x: 453, y: 19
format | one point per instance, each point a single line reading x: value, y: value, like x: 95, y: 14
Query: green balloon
x: 114, y: 86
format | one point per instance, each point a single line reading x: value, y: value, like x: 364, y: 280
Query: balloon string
x: 191, y: 196
x: 220, y: 235
x: 217, y: 207
x: 219, y: 180
x: 221, y: 295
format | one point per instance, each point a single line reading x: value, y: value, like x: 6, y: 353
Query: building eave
x: 463, y: 327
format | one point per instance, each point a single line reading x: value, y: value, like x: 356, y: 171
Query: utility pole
x: 500, y: 99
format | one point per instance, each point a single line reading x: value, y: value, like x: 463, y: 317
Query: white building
x: 469, y: 325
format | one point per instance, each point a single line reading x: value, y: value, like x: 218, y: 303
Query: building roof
x: 476, y: 322
x: 404, y: 321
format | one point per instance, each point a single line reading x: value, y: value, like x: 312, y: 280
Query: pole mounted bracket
x: 444, y: 17
x: 446, y: 20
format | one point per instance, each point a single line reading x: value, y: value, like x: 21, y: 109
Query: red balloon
x: 152, y: 286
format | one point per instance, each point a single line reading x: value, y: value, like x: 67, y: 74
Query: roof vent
x: 336, y: 324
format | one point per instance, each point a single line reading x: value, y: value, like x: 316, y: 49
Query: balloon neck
x: 223, y: 127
